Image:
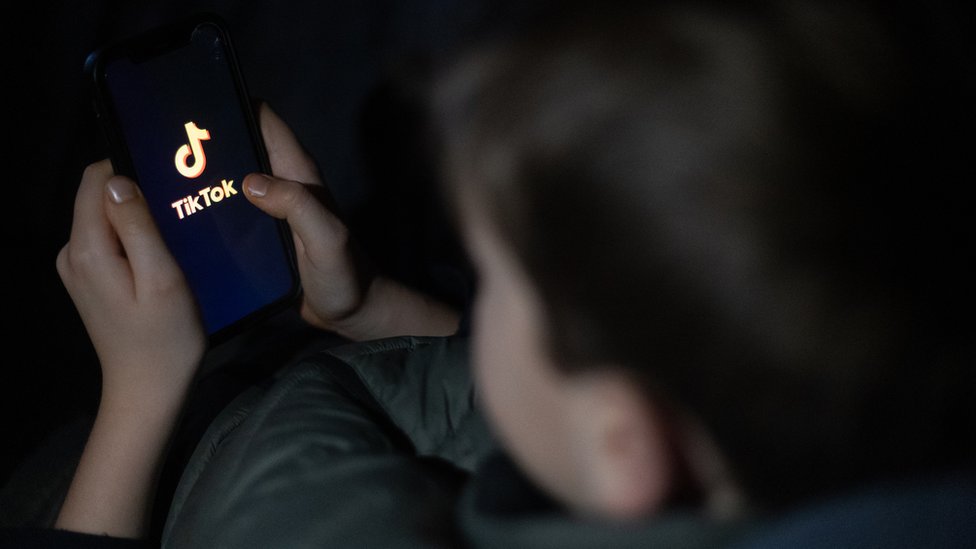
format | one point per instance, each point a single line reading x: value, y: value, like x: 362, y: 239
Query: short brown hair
x: 720, y: 201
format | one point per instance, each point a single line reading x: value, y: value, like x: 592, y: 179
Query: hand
x: 145, y: 327
x: 333, y: 281
x: 341, y: 293
x: 130, y: 293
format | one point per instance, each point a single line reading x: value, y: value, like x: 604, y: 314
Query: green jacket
x: 381, y: 444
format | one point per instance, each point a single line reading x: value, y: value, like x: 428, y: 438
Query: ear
x: 622, y: 446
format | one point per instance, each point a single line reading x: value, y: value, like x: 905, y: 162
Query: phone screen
x: 181, y: 112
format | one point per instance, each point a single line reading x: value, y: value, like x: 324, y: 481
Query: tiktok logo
x: 195, y: 148
x: 206, y: 197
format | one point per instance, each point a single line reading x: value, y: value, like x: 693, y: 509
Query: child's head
x: 702, y: 255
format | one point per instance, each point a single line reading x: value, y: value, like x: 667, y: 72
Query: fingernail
x: 257, y: 185
x: 120, y: 190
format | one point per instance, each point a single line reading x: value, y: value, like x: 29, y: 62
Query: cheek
x: 518, y: 390
x: 498, y: 355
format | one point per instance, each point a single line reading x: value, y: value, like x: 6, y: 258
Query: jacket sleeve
x: 44, y: 538
x: 362, y: 446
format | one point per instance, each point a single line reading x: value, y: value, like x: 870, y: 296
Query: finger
x: 318, y: 232
x: 289, y: 160
x: 91, y: 233
x: 144, y: 247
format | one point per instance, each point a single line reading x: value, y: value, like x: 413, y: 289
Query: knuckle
x: 83, y: 259
x: 61, y: 263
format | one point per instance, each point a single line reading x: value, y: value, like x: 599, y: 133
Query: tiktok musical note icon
x: 195, y: 148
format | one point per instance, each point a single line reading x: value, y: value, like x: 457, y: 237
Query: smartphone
x: 178, y: 121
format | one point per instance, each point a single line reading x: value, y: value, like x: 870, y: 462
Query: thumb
x: 129, y: 215
x: 317, y: 230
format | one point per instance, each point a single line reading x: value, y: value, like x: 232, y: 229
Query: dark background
x: 349, y: 77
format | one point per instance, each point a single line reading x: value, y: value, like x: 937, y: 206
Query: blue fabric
x: 937, y: 512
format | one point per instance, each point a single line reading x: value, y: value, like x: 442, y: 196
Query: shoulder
x: 342, y: 443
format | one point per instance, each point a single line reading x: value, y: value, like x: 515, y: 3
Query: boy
x: 708, y: 295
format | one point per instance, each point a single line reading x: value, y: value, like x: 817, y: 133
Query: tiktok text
x: 207, y: 197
